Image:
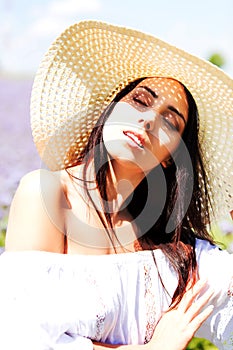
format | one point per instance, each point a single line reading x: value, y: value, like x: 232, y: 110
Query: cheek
x: 163, y: 137
x: 168, y: 141
x: 112, y: 132
x: 112, y: 127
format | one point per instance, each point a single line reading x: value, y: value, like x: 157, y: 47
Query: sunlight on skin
x: 145, y: 127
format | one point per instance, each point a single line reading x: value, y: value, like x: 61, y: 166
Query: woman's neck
x: 123, y: 180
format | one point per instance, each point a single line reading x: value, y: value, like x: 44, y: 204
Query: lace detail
x: 228, y: 344
x: 101, y: 314
x: 226, y: 325
x: 224, y: 334
x: 150, y: 305
x: 230, y: 289
x: 100, y: 319
x: 99, y: 325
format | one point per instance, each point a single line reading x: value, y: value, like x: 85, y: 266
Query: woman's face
x: 145, y: 127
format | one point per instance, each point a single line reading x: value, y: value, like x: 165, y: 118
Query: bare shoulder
x: 36, y: 219
x: 35, y: 181
x: 41, y: 186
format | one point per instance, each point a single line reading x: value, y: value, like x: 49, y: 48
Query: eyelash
x: 137, y: 100
x: 170, y: 125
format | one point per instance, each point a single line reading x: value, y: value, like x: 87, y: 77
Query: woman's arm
x: 177, y: 326
x: 36, y: 216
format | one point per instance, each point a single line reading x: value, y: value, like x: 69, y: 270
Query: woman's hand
x: 177, y: 326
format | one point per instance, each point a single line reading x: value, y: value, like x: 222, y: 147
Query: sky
x: 28, y: 27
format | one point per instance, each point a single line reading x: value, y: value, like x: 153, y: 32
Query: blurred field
x: 17, y: 153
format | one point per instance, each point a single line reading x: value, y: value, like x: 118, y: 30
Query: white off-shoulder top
x: 52, y: 301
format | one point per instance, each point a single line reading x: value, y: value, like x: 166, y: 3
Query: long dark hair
x: 183, y: 215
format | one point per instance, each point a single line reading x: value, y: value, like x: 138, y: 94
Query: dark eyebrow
x: 173, y: 109
x: 149, y: 90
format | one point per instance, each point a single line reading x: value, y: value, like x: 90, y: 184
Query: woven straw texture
x: 91, y: 61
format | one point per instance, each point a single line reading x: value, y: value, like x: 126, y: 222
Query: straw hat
x: 91, y: 61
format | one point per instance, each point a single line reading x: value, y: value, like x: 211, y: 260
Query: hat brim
x: 91, y: 61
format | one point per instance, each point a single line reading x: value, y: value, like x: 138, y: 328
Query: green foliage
x: 3, y: 225
x: 2, y: 239
x: 200, y: 344
x: 217, y: 59
x: 223, y: 240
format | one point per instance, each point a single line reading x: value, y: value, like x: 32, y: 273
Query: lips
x: 135, y: 137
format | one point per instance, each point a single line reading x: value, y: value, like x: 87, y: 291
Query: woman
x: 126, y: 206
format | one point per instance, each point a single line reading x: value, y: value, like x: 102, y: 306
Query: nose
x: 148, y: 121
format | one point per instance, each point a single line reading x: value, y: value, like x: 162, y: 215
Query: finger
x: 198, y: 304
x: 190, y: 284
x: 196, y: 323
x: 191, y: 295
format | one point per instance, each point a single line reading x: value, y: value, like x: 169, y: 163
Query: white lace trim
x: 150, y: 304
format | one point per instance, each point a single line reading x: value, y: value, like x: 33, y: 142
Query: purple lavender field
x: 17, y: 153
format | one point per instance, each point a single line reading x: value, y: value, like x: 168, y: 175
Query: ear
x: 164, y: 164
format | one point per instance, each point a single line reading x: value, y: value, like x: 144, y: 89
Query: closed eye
x: 137, y: 100
x: 142, y: 97
x: 171, y: 122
